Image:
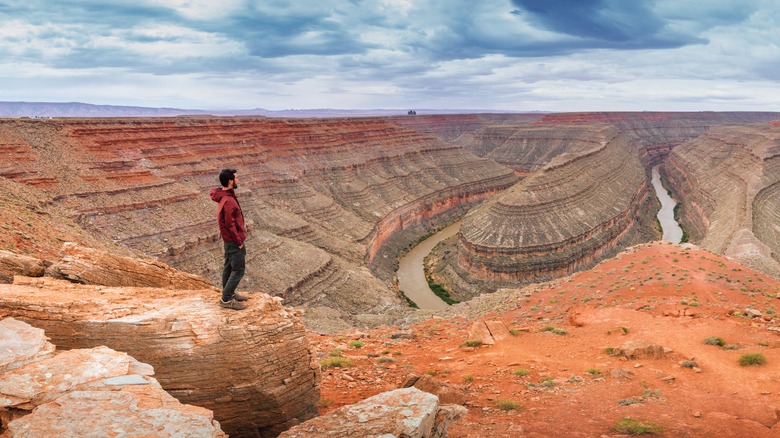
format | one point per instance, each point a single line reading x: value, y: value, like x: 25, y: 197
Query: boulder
x: 642, y: 349
x: 12, y: 264
x: 252, y: 368
x: 91, y: 266
x: 86, y: 392
x: 408, y: 413
x: 488, y: 331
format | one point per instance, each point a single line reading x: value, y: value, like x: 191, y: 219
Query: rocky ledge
x: 252, y: 368
x: 85, y: 392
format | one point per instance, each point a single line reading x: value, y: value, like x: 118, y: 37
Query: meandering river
x: 671, y: 229
x: 411, y: 275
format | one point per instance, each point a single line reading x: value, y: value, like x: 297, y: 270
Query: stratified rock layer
x: 564, y: 217
x: 322, y: 197
x: 729, y: 181
x: 85, y: 392
x: 252, y: 368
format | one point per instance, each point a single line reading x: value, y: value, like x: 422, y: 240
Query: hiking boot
x: 239, y: 297
x: 232, y: 304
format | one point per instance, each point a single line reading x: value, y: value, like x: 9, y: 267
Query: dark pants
x: 233, y: 271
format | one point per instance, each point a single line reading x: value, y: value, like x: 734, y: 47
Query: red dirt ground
x: 643, y: 290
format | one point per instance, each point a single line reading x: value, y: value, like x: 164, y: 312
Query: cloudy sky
x: 547, y: 55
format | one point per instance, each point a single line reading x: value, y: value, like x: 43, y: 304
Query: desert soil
x: 671, y: 295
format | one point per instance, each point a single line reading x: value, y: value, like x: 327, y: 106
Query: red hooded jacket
x: 231, y: 219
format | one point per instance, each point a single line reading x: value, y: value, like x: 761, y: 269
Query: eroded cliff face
x: 322, y: 197
x: 728, y: 180
x: 582, y: 205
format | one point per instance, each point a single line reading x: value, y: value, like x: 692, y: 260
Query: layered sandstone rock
x: 85, y: 392
x: 16, y: 264
x: 321, y: 196
x: 252, y: 368
x: 564, y: 217
x: 92, y: 266
x: 400, y: 413
x: 728, y: 181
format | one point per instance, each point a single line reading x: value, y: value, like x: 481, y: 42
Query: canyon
x: 109, y: 238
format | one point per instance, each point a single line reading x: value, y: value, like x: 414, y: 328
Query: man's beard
x: 235, y: 186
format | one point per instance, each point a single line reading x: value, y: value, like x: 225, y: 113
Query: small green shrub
x: 612, y: 351
x: 623, y: 329
x: 689, y: 364
x: 520, y: 372
x: 356, y: 344
x: 336, y: 352
x: 749, y: 359
x: 514, y: 332
x: 555, y: 330
x: 731, y: 347
x: 507, y: 405
x: 385, y: 359
x: 714, y: 340
x: 635, y: 427
x: 468, y: 378
x: 593, y: 372
x: 336, y: 362
x: 473, y: 343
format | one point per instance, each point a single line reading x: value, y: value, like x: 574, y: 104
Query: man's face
x: 235, y: 181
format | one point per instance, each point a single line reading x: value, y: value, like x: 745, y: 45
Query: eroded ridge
x: 562, y: 218
x: 728, y: 180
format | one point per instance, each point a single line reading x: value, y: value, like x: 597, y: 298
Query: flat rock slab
x: 16, y: 264
x: 86, y: 392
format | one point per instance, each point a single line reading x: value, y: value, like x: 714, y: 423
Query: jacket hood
x: 217, y: 194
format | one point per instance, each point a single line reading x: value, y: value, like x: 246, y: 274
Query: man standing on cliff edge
x: 231, y: 227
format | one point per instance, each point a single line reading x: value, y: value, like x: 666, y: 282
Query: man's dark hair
x: 226, y: 175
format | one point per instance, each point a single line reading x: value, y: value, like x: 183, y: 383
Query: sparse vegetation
x: 595, y: 372
x: 631, y: 426
x: 468, y: 378
x: 336, y: 362
x: 714, y: 340
x: 689, y: 364
x: 521, y: 372
x: 731, y: 347
x: 749, y: 359
x: 507, y: 405
x: 385, y: 359
x: 555, y: 330
x: 336, y: 352
x: 356, y: 344
x: 472, y: 343
x: 514, y: 332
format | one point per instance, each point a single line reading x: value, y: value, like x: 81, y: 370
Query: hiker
x: 231, y: 227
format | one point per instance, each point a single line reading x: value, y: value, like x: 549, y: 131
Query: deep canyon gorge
x: 331, y: 205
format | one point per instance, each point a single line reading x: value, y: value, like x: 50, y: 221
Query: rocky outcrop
x: 400, y: 413
x: 728, y: 180
x: 566, y: 216
x: 85, y: 392
x: 16, y: 264
x: 252, y: 368
x: 92, y: 266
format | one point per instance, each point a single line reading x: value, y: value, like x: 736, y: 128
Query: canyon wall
x: 581, y: 206
x: 321, y: 196
x: 728, y: 180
